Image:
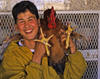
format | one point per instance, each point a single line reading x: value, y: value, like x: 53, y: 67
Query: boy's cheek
x: 21, y: 24
x: 32, y: 23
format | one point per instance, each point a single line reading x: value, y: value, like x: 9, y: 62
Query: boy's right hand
x: 39, y: 53
x: 40, y: 50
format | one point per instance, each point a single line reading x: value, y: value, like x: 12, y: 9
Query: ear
x: 16, y: 28
x: 39, y: 24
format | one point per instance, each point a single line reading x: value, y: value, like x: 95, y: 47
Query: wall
x: 68, y: 5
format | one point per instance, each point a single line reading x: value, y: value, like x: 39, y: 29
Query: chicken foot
x: 44, y: 41
x: 68, y: 32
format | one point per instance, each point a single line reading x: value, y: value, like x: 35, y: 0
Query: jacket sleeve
x: 12, y: 69
x: 75, y: 67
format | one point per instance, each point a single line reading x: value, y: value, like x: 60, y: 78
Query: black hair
x: 22, y: 7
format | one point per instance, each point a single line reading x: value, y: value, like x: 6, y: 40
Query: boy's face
x: 27, y: 24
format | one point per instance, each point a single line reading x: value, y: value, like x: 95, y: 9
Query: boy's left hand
x: 63, y: 38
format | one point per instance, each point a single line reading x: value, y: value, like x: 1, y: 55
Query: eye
x: 21, y: 22
x: 30, y: 19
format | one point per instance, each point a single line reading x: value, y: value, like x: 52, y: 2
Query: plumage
x: 52, y: 25
x: 57, y: 56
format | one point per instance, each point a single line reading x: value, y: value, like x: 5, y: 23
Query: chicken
x: 51, y: 26
x: 56, y: 51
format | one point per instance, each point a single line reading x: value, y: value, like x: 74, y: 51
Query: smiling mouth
x: 28, y: 31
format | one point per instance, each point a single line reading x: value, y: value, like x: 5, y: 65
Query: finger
x: 40, y: 45
x: 62, y: 31
x: 64, y: 39
x: 63, y: 36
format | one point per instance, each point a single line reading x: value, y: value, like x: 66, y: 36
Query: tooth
x: 29, y: 31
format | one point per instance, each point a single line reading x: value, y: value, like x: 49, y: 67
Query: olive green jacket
x: 17, y: 64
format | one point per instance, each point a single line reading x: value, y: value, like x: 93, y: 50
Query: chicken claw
x: 45, y: 41
x: 68, y: 32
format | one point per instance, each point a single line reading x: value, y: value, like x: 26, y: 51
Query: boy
x: 24, y: 59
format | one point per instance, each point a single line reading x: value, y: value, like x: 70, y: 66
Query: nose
x: 26, y: 24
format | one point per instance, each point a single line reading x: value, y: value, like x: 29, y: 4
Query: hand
x: 72, y: 46
x: 39, y: 52
x: 63, y: 37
